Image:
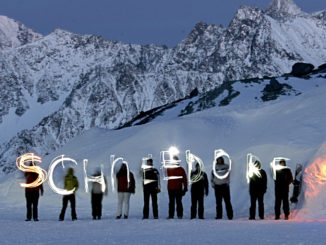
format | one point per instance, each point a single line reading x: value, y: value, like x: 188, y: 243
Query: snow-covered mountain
x: 64, y: 83
x: 291, y: 127
x: 14, y: 34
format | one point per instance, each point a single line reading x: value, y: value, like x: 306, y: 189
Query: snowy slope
x: 290, y: 127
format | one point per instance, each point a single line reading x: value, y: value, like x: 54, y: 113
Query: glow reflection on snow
x: 220, y: 153
x: 275, y: 165
x: 315, y: 177
x: 53, y: 164
x: 167, y: 162
x: 21, y: 164
x: 114, y: 161
x: 251, y: 168
x: 98, y: 179
x: 191, y: 159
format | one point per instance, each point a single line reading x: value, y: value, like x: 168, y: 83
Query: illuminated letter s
x: 21, y: 164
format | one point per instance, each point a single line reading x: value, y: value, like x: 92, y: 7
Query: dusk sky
x: 132, y: 21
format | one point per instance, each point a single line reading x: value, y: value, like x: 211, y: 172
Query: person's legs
x: 193, y: 205
x: 126, y: 203
x: 99, y: 205
x: 146, y: 204
x: 178, y: 199
x: 261, y: 206
x: 72, y: 199
x: 218, y: 197
x: 286, y: 205
x: 120, y: 201
x: 154, y: 203
x: 277, y: 206
x: 200, y: 199
x: 28, y: 197
x: 64, y: 207
x: 227, y: 200
x: 93, y: 201
x: 35, y: 198
x: 252, y: 210
x: 171, y: 203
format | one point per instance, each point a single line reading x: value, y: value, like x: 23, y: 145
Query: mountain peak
x: 14, y: 34
x: 282, y: 8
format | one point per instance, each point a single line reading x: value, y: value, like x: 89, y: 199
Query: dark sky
x: 132, y: 21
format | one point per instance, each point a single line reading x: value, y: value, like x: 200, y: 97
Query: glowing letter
x: 168, y: 161
x: 113, y: 163
x: 53, y: 164
x: 98, y: 179
x: 21, y: 164
x: 251, y: 168
x: 275, y: 165
x: 146, y: 167
x: 217, y: 154
x: 191, y: 159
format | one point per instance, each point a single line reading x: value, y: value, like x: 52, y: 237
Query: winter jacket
x: 176, y: 184
x: 283, y: 180
x: 258, y: 185
x: 151, y: 179
x: 71, y: 182
x: 122, y: 180
x: 201, y: 186
x: 221, y: 169
x: 30, y: 178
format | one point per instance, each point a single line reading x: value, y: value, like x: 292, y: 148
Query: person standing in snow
x: 70, y: 183
x: 32, y: 195
x: 283, y: 180
x: 151, y: 186
x: 125, y: 189
x: 222, y: 189
x: 177, y: 188
x: 257, y: 189
x: 297, y: 184
x: 198, y: 189
x: 97, y: 196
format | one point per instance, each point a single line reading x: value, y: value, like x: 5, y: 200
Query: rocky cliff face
x: 78, y: 82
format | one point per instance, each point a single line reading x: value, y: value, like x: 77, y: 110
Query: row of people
x: 177, y: 187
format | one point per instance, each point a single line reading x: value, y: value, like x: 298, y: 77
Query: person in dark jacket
x: 97, y: 195
x: 283, y: 180
x: 257, y: 189
x: 151, y: 186
x: 198, y: 189
x: 70, y: 183
x: 297, y: 184
x: 125, y: 189
x: 222, y: 189
x: 32, y: 195
x: 177, y: 188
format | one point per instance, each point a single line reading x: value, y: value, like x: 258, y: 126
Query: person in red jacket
x: 177, y: 188
x: 32, y: 195
x: 125, y: 189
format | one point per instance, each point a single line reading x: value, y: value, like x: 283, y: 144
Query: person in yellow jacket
x: 70, y: 182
